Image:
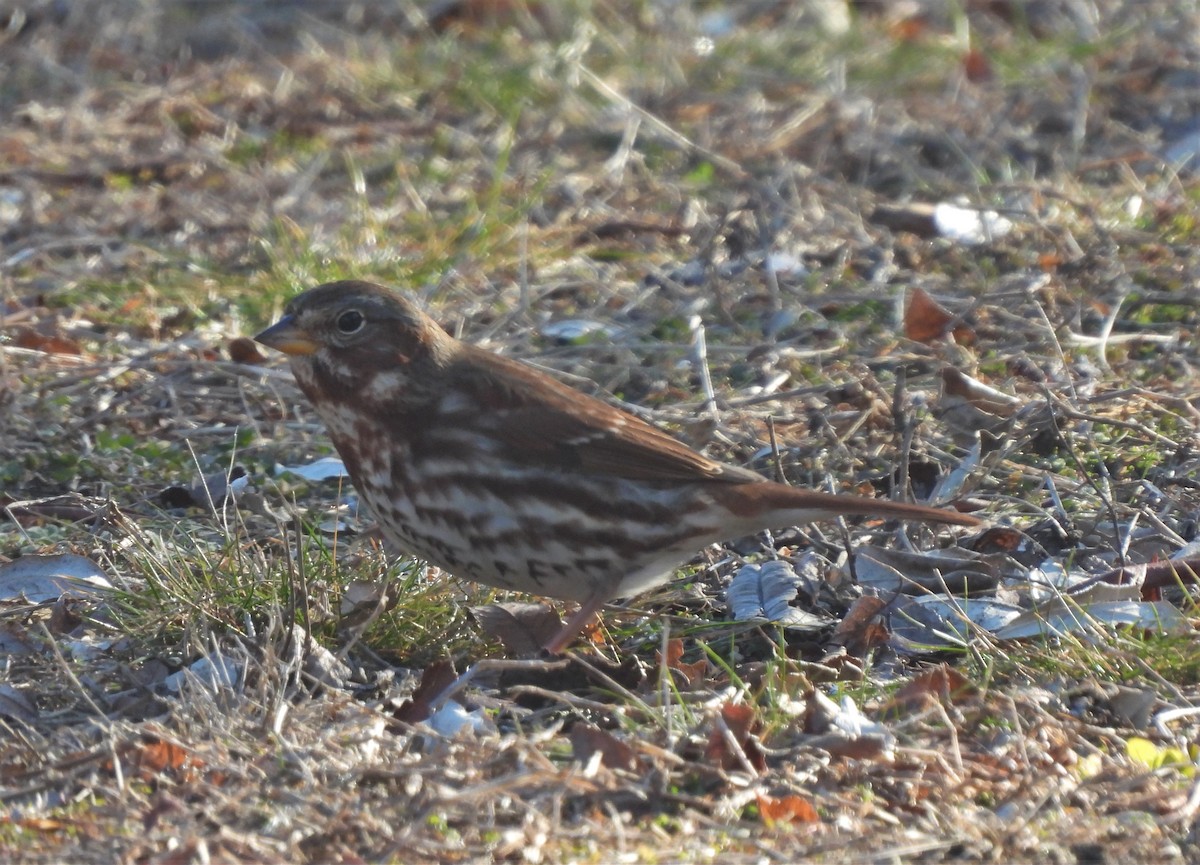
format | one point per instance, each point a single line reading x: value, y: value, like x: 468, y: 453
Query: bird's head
x: 357, y: 340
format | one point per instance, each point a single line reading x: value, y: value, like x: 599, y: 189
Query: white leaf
x: 453, y: 718
x: 318, y: 470
x: 214, y: 673
x: 574, y: 329
x: 969, y: 226
x: 759, y: 592
x: 47, y: 578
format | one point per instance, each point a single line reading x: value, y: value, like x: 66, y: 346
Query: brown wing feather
x: 546, y: 421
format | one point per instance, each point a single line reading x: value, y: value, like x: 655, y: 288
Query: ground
x: 917, y: 250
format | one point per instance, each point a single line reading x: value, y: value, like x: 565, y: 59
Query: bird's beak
x: 288, y: 337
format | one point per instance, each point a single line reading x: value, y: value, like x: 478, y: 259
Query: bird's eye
x: 350, y: 322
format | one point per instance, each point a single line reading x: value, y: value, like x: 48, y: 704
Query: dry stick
x: 906, y: 428
x: 492, y: 664
x: 104, y: 722
x: 700, y: 359
x: 1106, y: 331
x: 1104, y: 497
x: 608, y: 91
x: 664, y: 681
x: 733, y: 745
x: 1062, y: 356
x: 1073, y: 413
x: 1103, y: 494
x: 776, y: 456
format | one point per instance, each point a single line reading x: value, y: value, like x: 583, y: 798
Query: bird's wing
x: 544, y: 421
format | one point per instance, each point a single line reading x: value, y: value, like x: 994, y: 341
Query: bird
x: 498, y: 473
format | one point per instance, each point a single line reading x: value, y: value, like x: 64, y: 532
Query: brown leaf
x: 436, y: 678
x: 914, y: 218
x: 245, y: 350
x: 862, y: 628
x: 486, y: 15
x: 522, y: 628
x: 587, y: 740
x: 979, y: 395
x: 363, y: 599
x: 941, y: 684
x: 1049, y: 262
x: 742, y: 723
x: 977, y: 67
x: 1010, y: 542
x: 63, y: 616
x: 925, y: 320
x: 852, y: 747
x: 51, y: 343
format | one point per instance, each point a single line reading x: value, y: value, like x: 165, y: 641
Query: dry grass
x: 171, y: 172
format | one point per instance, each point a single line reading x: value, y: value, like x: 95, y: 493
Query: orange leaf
x: 43, y: 824
x: 790, y: 809
x: 909, y: 29
x: 741, y: 721
x: 158, y: 757
x: 691, y: 672
x: 1049, y: 261
x: 674, y: 653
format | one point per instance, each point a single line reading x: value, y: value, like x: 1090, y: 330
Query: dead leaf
x: 588, y: 740
x: 862, y: 628
x: 979, y: 395
x: 977, y: 67
x: 156, y: 757
x: 926, y: 320
x: 863, y: 746
x: 50, y: 343
x: 63, y: 616
x: 941, y: 684
x: 765, y: 592
x: 46, y: 578
x: 14, y: 704
x: 691, y: 672
x: 953, y: 569
x: 933, y: 623
x: 742, y: 723
x: 211, y: 491
x: 43, y: 824
x: 909, y: 29
x: 914, y: 218
x: 363, y: 599
x: 467, y: 16
x: 14, y: 639
x: 522, y: 628
x: 419, y: 707
x: 786, y: 809
x: 245, y: 350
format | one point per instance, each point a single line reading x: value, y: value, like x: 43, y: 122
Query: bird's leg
x: 582, y: 618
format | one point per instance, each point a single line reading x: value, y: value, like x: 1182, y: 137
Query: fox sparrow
x: 498, y: 473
